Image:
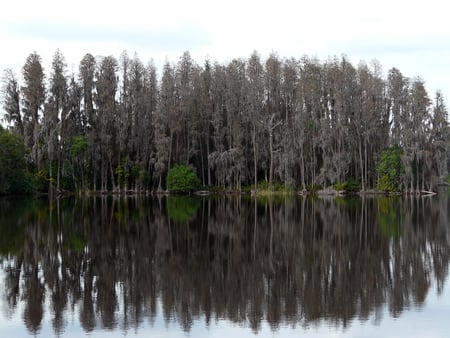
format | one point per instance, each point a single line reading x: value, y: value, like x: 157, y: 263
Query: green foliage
x: 276, y: 187
x: 67, y: 180
x: 182, y: 178
x: 14, y: 177
x: 143, y: 177
x: 313, y: 188
x: 340, y: 186
x: 122, y: 173
x: 182, y: 208
x: 351, y: 185
x: 385, y: 184
x: 41, y: 180
x: 390, y: 169
x: 79, y: 146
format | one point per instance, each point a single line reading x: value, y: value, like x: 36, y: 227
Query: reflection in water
x: 116, y: 262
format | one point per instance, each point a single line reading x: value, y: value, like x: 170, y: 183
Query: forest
x: 303, y: 124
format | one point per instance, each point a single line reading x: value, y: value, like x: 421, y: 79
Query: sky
x: 412, y: 36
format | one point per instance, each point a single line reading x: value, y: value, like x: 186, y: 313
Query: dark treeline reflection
x: 117, y: 263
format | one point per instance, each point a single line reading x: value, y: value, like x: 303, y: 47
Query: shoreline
x: 205, y: 193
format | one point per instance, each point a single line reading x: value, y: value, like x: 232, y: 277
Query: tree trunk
x: 170, y: 150
x: 255, y: 158
x: 363, y: 183
x: 302, y: 167
x: 271, y: 159
x: 58, y: 172
x: 207, y: 162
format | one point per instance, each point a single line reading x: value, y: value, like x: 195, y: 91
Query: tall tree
x: 11, y: 101
x: 273, y: 109
x: 86, y: 77
x: 290, y: 107
x: 55, y: 116
x: 439, y: 137
x: 398, y: 87
x: 105, y: 99
x: 255, y: 73
x: 205, y: 126
x: 146, y: 130
x: 416, y: 127
x: 166, y: 123
x: 33, y: 92
x: 307, y: 121
x: 232, y: 158
x: 88, y: 113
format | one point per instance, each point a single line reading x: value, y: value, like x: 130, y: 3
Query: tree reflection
x: 118, y: 261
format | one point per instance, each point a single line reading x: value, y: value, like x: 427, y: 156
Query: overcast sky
x: 410, y: 35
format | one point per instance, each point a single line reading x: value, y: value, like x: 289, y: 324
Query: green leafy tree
x: 182, y: 178
x: 78, y: 151
x: 390, y: 169
x: 14, y: 177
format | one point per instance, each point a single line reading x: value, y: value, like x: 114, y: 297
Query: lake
x: 221, y: 266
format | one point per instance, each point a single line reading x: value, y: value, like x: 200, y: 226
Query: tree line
x: 118, y: 125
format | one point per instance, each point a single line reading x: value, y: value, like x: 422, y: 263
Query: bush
x: 14, y: 177
x: 182, y: 178
x: 351, y: 185
x: 384, y: 184
x: 276, y: 187
x: 339, y: 186
x: 390, y: 169
x: 41, y: 180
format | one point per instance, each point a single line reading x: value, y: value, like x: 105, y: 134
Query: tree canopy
x: 117, y: 125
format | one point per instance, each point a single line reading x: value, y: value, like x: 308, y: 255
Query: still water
x: 221, y: 267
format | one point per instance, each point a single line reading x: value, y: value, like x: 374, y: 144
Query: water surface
x: 200, y: 267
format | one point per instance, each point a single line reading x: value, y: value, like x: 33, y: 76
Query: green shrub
x: 384, y: 184
x: 41, y: 181
x: 14, y: 177
x: 390, y: 169
x: 340, y: 186
x: 182, y: 178
x: 350, y: 185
